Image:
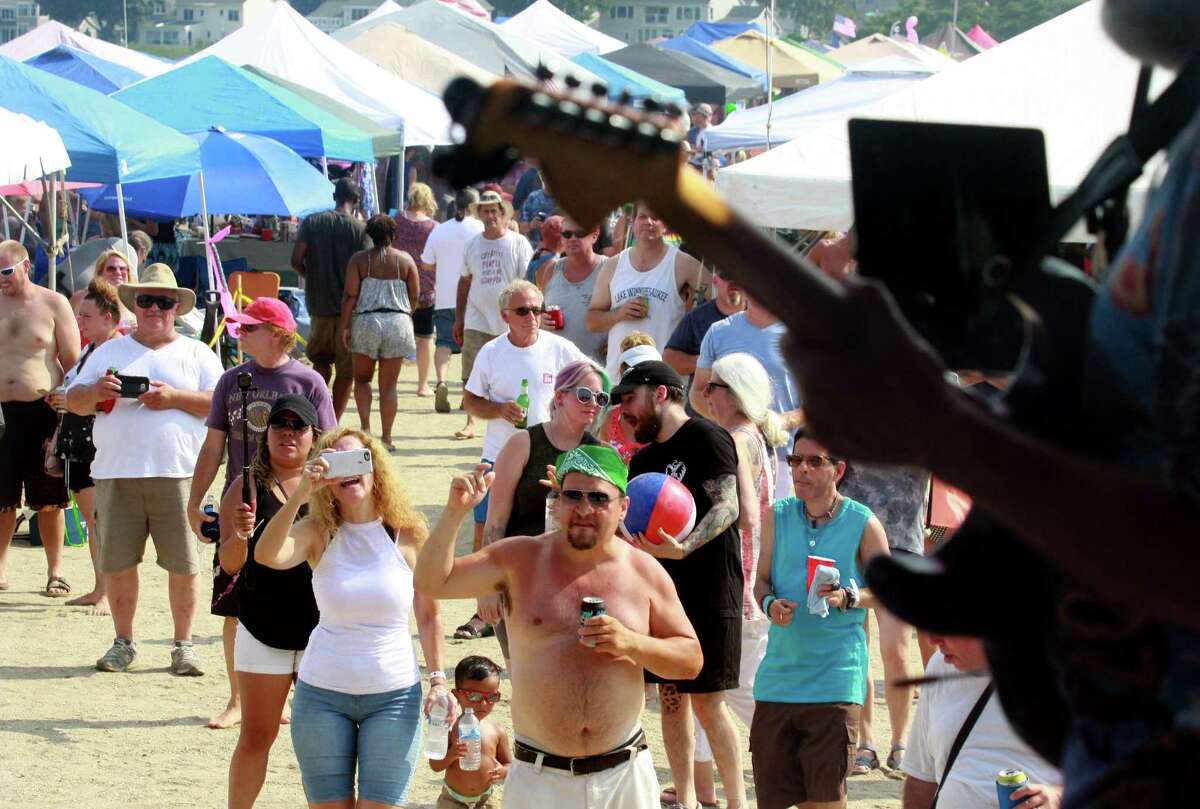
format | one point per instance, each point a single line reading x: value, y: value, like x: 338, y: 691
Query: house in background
x: 333, y: 15
x: 643, y: 20
x: 19, y: 17
x: 196, y: 22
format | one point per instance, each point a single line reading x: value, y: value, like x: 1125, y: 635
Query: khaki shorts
x: 802, y: 752
x: 325, y: 346
x: 130, y: 509
x: 632, y: 785
x: 472, y: 342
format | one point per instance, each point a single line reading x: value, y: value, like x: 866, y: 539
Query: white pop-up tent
x: 548, y: 26
x: 795, y: 115
x: 1065, y: 77
x: 51, y: 34
x: 285, y: 44
x: 28, y: 149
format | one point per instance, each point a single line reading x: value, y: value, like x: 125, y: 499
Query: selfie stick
x: 243, y: 380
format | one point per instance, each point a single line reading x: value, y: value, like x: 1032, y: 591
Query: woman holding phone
x: 270, y: 641
x: 358, y: 692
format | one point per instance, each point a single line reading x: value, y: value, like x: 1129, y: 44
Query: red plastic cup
x: 813, y: 563
x: 556, y: 316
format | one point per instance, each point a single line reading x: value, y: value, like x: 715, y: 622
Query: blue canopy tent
x: 85, y: 68
x: 209, y: 92
x: 621, y: 79
x: 692, y: 47
x: 710, y: 32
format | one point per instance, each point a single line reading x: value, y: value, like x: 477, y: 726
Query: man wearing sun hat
x: 578, y: 695
x: 146, y: 448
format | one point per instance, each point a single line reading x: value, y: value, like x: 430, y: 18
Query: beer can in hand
x: 1008, y: 782
x: 590, y: 607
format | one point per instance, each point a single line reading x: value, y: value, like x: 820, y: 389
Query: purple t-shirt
x: 268, y: 385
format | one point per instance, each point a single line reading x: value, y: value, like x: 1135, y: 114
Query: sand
x: 71, y: 736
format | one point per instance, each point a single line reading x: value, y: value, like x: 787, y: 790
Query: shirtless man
x: 578, y: 692
x: 41, y: 341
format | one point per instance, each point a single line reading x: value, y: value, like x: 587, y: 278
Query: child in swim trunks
x: 476, y: 686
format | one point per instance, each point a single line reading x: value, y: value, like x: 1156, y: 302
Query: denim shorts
x: 381, y: 733
x: 480, y: 511
x: 443, y: 326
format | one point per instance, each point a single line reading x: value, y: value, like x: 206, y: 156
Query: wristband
x: 436, y: 673
x: 767, y: 601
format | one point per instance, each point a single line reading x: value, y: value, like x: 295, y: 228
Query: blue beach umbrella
x: 85, y: 68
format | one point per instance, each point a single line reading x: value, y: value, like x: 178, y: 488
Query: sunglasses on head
x: 595, y: 499
x: 525, y: 311
x: 813, y: 461
x: 288, y: 423
x: 576, y: 234
x: 163, y: 302
x: 586, y: 395
x: 478, y: 696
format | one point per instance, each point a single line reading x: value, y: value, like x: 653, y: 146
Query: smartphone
x: 133, y: 386
x: 348, y: 463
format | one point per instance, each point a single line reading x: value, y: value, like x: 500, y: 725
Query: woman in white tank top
x: 358, y: 695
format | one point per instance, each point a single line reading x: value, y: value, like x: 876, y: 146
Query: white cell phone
x: 348, y: 463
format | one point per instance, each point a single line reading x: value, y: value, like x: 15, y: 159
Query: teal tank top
x: 815, y: 660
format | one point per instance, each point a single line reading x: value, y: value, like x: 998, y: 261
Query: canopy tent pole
x: 121, y: 214
x: 770, y: 70
x: 28, y: 228
x: 7, y: 234
x: 325, y: 166
x: 52, y: 253
x: 212, y: 282
x: 87, y: 221
x: 62, y: 179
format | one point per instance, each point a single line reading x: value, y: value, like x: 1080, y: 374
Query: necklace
x: 812, y: 527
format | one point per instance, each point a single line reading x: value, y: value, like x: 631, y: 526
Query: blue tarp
x: 85, y: 68
x: 622, y: 79
x: 710, y: 32
x: 692, y: 47
x: 242, y: 174
x: 211, y: 92
x: 106, y: 140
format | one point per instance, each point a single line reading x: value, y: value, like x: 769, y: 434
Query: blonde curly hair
x: 392, y: 503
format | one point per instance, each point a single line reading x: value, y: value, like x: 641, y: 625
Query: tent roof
x: 953, y: 42
x: 28, y: 148
x: 357, y: 27
x: 795, y: 115
x: 106, y: 140
x: 85, y: 68
x: 709, y: 53
x: 621, y: 79
x: 710, y: 32
x: 548, y: 26
x: 414, y: 58
x: 197, y: 96
x: 787, y: 59
x: 1052, y: 77
x: 877, y: 46
x: 52, y: 33
x: 699, y: 80
x: 285, y: 44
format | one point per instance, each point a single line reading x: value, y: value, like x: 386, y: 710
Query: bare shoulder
x: 648, y: 569
x: 58, y: 304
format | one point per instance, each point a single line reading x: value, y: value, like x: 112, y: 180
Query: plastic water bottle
x: 437, y: 734
x: 469, y: 732
x: 210, y: 530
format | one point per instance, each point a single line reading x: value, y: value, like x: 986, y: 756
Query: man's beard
x: 1164, y: 32
x: 647, y: 428
x: 583, y: 537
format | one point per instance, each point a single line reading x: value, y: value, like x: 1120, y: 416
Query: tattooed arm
x: 723, y: 491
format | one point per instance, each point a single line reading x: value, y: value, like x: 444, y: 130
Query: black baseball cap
x: 297, y: 404
x: 650, y: 372
x: 345, y: 188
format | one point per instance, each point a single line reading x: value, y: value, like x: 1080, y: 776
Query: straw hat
x: 492, y: 198
x: 157, y: 278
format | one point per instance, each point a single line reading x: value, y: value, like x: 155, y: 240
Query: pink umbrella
x: 33, y: 188
x: 981, y: 38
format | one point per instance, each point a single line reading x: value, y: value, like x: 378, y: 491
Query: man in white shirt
x: 491, y: 260
x: 146, y: 449
x: 991, y: 746
x: 443, y: 256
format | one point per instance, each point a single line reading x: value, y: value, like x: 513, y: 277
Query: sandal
x: 668, y: 796
x: 896, y: 757
x: 57, y: 587
x: 469, y: 630
x: 464, y: 435
x: 866, y: 760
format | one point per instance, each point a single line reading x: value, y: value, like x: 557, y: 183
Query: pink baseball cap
x: 267, y: 310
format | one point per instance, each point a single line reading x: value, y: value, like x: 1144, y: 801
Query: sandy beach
x: 71, y: 736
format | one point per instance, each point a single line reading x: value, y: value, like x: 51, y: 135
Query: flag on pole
x: 844, y: 26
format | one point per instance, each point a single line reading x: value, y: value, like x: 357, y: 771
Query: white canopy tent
x: 51, y: 34
x: 548, y: 26
x: 414, y: 59
x: 286, y: 45
x: 793, y: 116
x: 344, y: 35
x: 28, y: 149
x: 1065, y: 77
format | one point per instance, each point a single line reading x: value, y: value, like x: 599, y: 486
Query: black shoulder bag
x: 961, y: 739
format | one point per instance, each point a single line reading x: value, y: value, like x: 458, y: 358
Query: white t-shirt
x: 492, y: 264
x: 991, y: 747
x: 134, y: 441
x: 497, y: 376
x: 444, y: 248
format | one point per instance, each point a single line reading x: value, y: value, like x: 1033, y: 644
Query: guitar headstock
x: 596, y: 154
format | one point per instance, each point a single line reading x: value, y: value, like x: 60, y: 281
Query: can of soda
x: 556, y: 316
x: 645, y: 299
x: 1008, y: 782
x: 590, y: 607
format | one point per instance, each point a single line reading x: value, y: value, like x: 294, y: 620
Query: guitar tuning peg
x: 673, y: 110
x: 600, y: 90
x: 650, y: 105
x: 544, y: 73
x: 572, y: 82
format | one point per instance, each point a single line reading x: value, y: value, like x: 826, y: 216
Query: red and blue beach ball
x: 659, y: 501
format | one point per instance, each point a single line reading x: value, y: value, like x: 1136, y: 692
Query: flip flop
x: 463, y: 435
x: 57, y: 587
x: 469, y: 632
x: 668, y: 799
x: 866, y: 760
x: 896, y: 757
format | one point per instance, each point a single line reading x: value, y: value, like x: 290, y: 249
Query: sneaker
x: 184, y: 660
x: 441, y: 398
x: 119, y: 658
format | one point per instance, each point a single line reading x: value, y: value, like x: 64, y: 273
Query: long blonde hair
x: 753, y: 391
x: 391, y: 502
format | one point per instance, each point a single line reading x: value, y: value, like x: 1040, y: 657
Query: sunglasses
x: 163, y: 302
x: 285, y: 423
x: 7, y: 271
x: 576, y: 234
x: 250, y: 328
x: 587, y: 396
x: 813, y: 461
x: 477, y: 697
x: 526, y: 311
x: 595, y: 499
x: 709, y: 387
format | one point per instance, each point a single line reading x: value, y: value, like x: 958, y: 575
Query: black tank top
x: 277, y: 607
x: 528, y: 517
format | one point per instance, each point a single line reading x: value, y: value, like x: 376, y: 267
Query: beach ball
x: 659, y: 501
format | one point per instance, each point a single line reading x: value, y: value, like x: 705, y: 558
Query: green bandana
x: 594, y: 461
